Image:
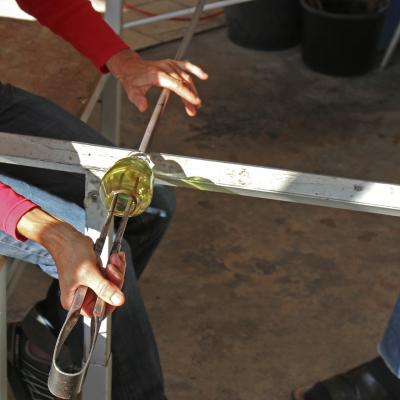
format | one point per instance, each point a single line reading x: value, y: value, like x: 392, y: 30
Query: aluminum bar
x: 392, y: 47
x: 94, y: 98
x: 164, y: 96
x: 181, y: 13
x: 214, y: 176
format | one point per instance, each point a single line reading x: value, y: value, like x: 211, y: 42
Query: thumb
x: 105, y: 289
x: 138, y: 98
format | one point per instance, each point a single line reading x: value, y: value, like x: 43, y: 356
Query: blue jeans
x: 389, y: 346
x: 137, y: 372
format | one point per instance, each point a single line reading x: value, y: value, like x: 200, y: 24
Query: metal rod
x: 94, y: 98
x: 392, y: 47
x: 163, y: 99
x: 98, y: 246
x: 181, y: 13
x: 116, y: 247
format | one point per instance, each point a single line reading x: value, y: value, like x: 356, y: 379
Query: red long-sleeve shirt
x: 79, y: 24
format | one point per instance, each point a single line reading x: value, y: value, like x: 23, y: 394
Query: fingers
x: 177, y: 74
x: 115, y: 272
x: 138, y: 97
x: 193, y: 69
x: 104, y: 288
x: 138, y: 76
x: 178, y: 86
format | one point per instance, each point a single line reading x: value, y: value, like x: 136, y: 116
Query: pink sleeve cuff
x: 16, y: 213
x: 13, y: 207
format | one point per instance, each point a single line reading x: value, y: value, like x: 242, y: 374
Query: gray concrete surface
x: 250, y: 298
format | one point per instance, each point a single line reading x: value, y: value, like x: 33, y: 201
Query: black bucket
x: 342, y: 38
x: 265, y: 24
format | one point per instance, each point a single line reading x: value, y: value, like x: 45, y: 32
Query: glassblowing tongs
x: 63, y: 383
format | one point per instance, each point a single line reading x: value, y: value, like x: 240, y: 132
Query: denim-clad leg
x: 136, y: 367
x: 389, y: 347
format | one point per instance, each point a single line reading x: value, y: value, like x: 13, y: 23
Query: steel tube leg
x: 98, y: 382
x: 111, y: 110
x: 392, y: 47
x: 111, y: 97
x: 3, y: 329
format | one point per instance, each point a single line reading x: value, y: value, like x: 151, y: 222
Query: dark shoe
x: 27, y: 368
x: 370, y: 381
x: 29, y: 354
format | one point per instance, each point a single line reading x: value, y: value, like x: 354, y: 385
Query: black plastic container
x: 341, y: 40
x: 265, y: 24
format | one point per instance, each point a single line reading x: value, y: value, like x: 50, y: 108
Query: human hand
x: 76, y: 261
x: 137, y: 76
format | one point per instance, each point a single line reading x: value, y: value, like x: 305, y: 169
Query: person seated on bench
x: 42, y: 214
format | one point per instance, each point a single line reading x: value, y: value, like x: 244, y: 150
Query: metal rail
x: 214, y: 176
x: 181, y: 13
x: 392, y: 47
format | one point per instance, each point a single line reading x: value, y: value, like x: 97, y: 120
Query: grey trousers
x: 136, y: 365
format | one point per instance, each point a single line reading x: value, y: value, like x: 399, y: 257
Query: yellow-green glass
x: 130, y: 177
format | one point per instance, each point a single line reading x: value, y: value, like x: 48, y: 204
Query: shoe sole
x: 17, y: 384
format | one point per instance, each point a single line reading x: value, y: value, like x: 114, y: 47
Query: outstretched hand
x: 137, y: 76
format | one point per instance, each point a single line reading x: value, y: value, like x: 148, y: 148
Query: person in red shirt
x: 42, y: 217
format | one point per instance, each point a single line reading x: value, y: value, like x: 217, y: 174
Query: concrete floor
x: 250, y: 298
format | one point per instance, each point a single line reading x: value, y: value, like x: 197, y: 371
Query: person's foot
x: 370, y: 381
x: 30, y: 347
x: 28, y: 367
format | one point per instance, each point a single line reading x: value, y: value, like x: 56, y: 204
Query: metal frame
x: 10, y: 272
x: 181, y: 13
x: 209, y: 175
x: 196, y: 173
x: 98, y: 382
x: 392, y: 47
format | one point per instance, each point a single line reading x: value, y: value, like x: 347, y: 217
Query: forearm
x: 47, y: 230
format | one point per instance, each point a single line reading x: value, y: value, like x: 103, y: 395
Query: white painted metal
x: 111, y: 94
x: 217, y: 176
x: 3, y: 331
x: 181, y: 13
x: 15, y: 269
x: 392, y: 47
x: 113, y: 14
x: 99, y: 378
x: 98, y: 381
x: 94, y: 98
x: 111, y: 110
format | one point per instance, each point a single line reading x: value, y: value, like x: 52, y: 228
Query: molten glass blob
x: 130, y: 177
